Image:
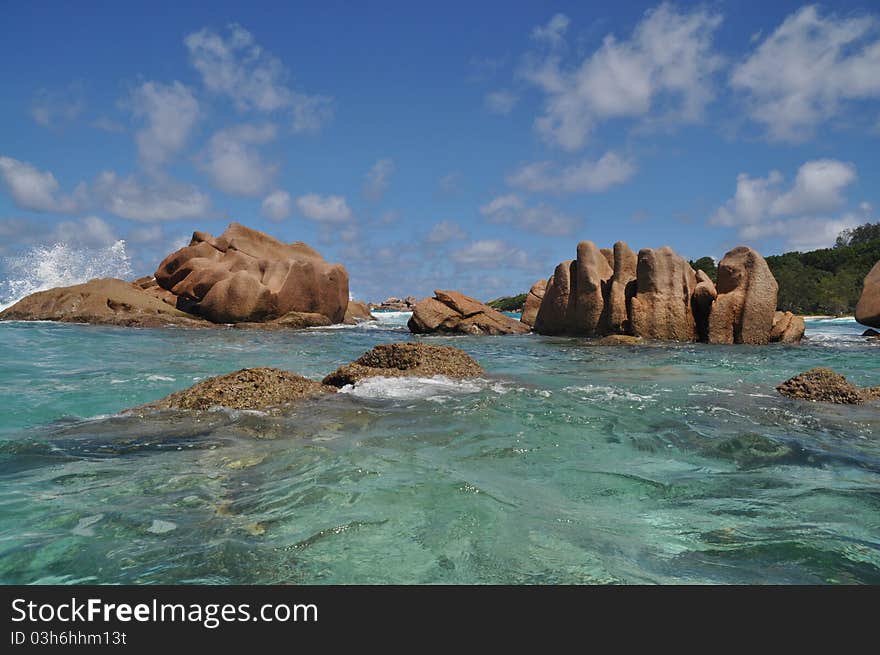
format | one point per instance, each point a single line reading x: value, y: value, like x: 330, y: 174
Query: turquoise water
x: 569, y: 463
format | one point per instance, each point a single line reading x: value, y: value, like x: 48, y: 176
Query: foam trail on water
x: 60, y: 265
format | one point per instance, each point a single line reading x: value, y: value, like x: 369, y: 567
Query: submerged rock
x: 103, y: 301
x: 868, y: 307
x: 247, y: 276
x: 753, y: 449
x: 824, y: 385
x: 406, y: 360
x: 618, y: 340
x: 456, y: 313
x: 249, y: 388
x: 290, y: 321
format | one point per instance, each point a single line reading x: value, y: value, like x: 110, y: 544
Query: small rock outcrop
x: 249, y: 388
x: 746, y: 304
x: 103, y: 301
x: 406, y: 360
x: 290, y: 321
x: 454, y: 313
x: 357, y: 312
x: 533, y: 303
x: 824, y: 385
x: 868, y: 307
x: 787, y: 328
x: 247, y: 276
x: 394, y: 304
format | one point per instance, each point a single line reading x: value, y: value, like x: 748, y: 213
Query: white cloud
x: 807, y: 69
x: 52, y: 109
x: 540, y: 219
x: 33, y: 189
x: 161, y: 200
x: 588, y: 176
x: 378, y: 178
x: 89, y: 232
x: 762, y: 207
x: 252, y: 77
x: 324, y: 209
x: 277, y: 205
x: 445, y: 231
x: 145, y: 234
x: 170, y: 112
x: 311, y: 113
x: 666, y: 66
x: 817, y: 188
x: 553, y: 33
x: 490, y: 253
x: 234, y: 164
x: 500, y: 102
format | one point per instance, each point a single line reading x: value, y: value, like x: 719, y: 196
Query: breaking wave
x: 60, y: 265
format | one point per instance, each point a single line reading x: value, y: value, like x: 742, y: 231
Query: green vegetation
x: 509, y: 303
x: 707, y: 265
x: 826, y: 281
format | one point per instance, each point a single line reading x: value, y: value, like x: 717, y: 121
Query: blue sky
x: 443, y: 145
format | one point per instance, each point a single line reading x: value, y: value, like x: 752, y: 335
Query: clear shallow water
x: 569, y: 463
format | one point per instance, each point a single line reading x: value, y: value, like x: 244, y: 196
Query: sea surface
x: 567, y: 463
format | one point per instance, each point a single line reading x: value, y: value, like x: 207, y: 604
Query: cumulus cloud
x: 324, y: 209
x: 588, y: 176
x: 234, y: 164
x: 553, y: 33
x: 276, y: 206
x: 666, y: 66
x: 807, y: 70
x: 541, y: 219
x: 490, y: 253
x: 54, y: 109
x: 500, y: 102
x: 445, y: 231
x: 170, y: 112
x: 378, y: 179
x: 33, y: 189
x: 763, y: 207
x: 90, y: 232
x: 237, y: 67
x: 154, y: 200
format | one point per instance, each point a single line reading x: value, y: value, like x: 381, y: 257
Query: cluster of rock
x: 247, y: 276
x: 454, y: 313
x: 393, y: 304
x: 271, y: 388
x: 657, y: 295
x: 868, y: 307
x: 243, y: 277
x: 824, y: 385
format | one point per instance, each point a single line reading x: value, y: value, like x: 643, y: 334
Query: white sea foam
x: 60, y: 265
x: 438, y: 388
x: 600, y: 392
x: 159, y: 378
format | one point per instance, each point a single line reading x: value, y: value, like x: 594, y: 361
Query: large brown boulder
x: 746, y: 303
x: 661, y: 306
x: 868, y: 307
x: 824, y: 385
x: 105, y: 301
x: 787, y: 328
x: 573, y: 301
x: 533, y: 303
x: 454, y: 313
x: 249, y: 388
x: 245, y: 275
x: 406, y: 360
